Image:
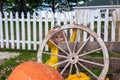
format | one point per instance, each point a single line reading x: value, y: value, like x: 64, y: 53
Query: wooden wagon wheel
x: 75, y: 57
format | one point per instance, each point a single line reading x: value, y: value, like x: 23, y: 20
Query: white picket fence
x: 28, y: 33
x: 104, y: 20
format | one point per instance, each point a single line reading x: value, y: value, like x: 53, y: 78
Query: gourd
x: 34, y: 71
x: 83, y: 76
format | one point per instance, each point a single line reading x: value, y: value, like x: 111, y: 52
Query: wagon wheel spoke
x: 59, y: 63
x: 70, y: 71
x: 59, y: 47
x: 77, y: 70
x: 90, y: 62
x: 64, y: 68
x: 66, y: 41
x: 55, y: 54
x: 74, y: 46
x: 84, y: 44
x: 90, y: 52
x: 88, y: 70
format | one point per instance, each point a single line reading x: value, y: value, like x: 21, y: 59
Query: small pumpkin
x: 34, y: 71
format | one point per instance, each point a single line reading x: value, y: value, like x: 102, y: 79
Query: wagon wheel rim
x: 73, y: 58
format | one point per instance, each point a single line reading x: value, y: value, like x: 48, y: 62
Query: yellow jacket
x: 54, y: 50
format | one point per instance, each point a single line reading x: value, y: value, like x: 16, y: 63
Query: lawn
x: 8, y: 65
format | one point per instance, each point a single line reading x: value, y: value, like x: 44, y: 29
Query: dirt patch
x: 7, y: 55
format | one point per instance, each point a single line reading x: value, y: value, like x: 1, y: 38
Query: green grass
x: 45, y: 57
x: 100, y: 55
x: 8, y: 65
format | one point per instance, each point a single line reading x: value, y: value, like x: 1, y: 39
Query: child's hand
x: 51, y: 31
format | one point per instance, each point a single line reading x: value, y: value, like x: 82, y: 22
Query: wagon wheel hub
x: 73, y: 58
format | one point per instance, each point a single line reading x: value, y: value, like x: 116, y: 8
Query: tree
x: 22, y: 6
x: 23, y: 3
x: 54, y: 4
x: 61, y: 4
x: 1, y: 5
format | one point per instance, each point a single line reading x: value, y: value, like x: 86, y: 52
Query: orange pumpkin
x: 34, y: 71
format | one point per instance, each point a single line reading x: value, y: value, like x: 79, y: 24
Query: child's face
x: 58, y: 37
